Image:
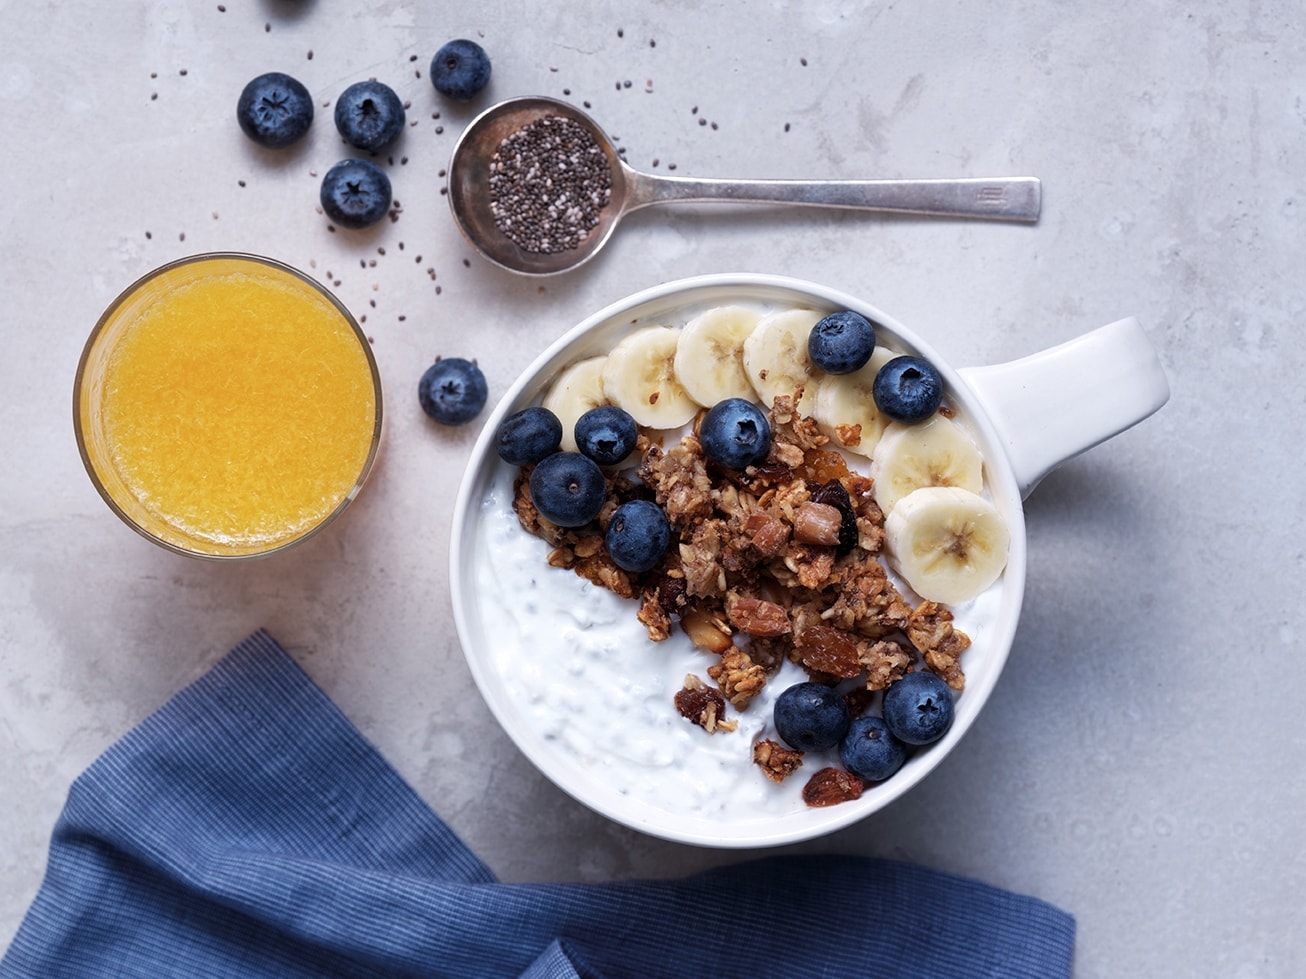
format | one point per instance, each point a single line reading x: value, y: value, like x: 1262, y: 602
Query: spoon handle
x: 995, y: 198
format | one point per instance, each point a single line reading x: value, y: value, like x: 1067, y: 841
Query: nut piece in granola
x: 831, y: 786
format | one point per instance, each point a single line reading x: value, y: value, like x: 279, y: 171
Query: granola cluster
x: 779, y: 562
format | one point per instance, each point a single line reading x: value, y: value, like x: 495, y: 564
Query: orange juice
x: 227, y: 406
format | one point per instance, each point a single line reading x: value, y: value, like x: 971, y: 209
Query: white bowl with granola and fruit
x: 734, y: 574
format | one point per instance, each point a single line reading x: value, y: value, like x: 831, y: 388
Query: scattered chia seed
x: 549, y: 183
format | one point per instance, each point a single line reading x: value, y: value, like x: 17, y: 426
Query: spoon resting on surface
x: 505, y: 227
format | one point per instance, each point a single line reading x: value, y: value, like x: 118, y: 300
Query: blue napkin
x: 246, y: 829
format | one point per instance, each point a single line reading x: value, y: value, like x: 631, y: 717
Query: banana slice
x: 845, y: 408
x: 710, y: 354
x: 577, y: 389
x: 948, y: 543
x: 640, y: 376
x: 935, y: 452
x: 775, y: 357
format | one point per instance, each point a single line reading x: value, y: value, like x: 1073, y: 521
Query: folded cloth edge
x: 353, y: 857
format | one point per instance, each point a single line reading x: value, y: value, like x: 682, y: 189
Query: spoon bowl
x: 469, y: 181
x: 992, y: 198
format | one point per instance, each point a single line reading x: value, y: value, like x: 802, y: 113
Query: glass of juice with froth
x: 227, y: 406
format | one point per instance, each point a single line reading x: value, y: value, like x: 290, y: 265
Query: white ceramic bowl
x: 568, y: 671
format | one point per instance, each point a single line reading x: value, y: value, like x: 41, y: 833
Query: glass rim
x: 107, y: 316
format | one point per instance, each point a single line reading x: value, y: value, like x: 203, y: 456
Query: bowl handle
x: 1052, y: 405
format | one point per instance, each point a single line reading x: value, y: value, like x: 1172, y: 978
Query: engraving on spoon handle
x: 995, y: 198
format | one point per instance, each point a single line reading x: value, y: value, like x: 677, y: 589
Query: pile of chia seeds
x: 549, y: 183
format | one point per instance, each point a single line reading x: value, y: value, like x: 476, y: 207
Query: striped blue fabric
x: 246, y: 829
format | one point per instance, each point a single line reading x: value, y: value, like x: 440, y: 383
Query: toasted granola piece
x: 739, y: 678
x: 866, y: 600
x: 703, y: 705
x: 769, y: 653
x: 653, y: 615
x: 756, y: 616
x: 886, y: 663
x: 930, y: 630
x: 707, y: 630
x: 810, y: 564
x: 831, y: 786
x: 679, y: 480
x: 700, y: 559
x: 776, y: 761
x: 790, y: 428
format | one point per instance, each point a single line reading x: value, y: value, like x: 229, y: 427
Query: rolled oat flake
x: 549, y: 183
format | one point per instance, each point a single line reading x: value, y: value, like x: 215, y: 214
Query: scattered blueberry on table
x: 369, y: 115
x: 355, y: 193
x: 460, y: 69
x: 274, y: 110
x: 452, y: 390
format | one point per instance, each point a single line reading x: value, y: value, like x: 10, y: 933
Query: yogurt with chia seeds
x: 570, y: 672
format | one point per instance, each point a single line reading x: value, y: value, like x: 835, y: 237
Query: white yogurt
x: 586, y: 681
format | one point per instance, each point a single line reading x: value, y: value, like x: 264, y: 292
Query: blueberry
x: 841, y: 342
x: 529, y: 435
x: 369, y: 115
x: 908, y: 389
x: 355, y: 193
x: 735, y: 434
x: 606, y: 434
x: 811, y: 716
x: 568, y: 489
x: 638, y: 535
x: 870, y: 750
x: 460, y: 69
x: 452, y: 390
x: 274, y: 110
x: 918, y: 708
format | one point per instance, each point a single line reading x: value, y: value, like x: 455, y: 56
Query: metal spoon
x: 998, y: 198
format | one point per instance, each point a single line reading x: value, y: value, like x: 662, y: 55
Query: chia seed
x: 549, y: 183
